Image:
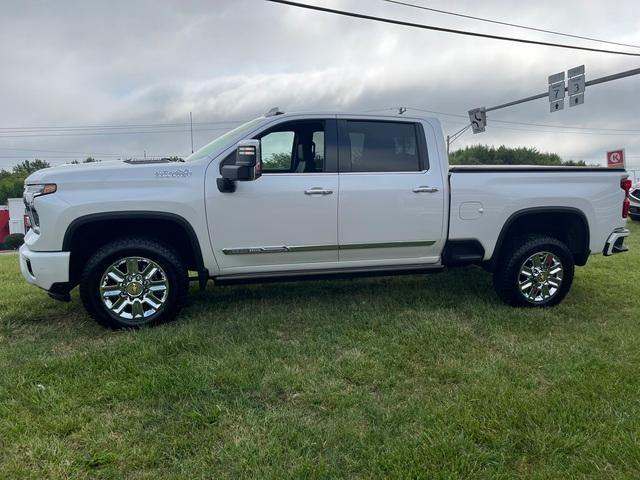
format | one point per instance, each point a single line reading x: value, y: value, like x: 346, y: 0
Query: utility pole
x: 191, y: 125
x: 455, y: 136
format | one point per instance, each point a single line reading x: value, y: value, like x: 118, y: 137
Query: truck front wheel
x: 534, y: 272
x: 133, y: 282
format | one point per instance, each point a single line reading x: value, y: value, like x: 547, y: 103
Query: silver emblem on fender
x: 180, y: 173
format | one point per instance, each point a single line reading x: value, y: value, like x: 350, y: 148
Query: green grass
x: 408, y: 377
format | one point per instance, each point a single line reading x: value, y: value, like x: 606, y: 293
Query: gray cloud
x: 77, y: 63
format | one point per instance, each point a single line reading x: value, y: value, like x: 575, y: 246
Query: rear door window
x: 372, y: 146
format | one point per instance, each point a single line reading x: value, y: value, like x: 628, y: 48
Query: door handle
x: 318, y: 191
x: 425, y: 189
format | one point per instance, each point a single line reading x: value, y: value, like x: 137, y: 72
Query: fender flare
x: 536, y: 210
x: 136, y: 214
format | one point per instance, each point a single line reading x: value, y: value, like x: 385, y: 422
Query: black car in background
x: 634, y: 197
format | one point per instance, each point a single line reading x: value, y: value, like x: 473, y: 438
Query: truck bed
x: 527, y: 168
x: 486, y: 200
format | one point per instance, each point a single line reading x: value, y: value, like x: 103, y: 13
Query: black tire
x: 507, y: 274
x: 635, y: 218
x: 173, y: 274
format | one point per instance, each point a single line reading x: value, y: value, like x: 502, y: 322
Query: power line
x: 108, y: 127
x: 606, y: 134
x: 621, y: 130
x: 109, y: 133
x: 547, y: 125
x: 60, y: 151
x: 448, y: 30
x: 488, y: 20
x: 564, y: 132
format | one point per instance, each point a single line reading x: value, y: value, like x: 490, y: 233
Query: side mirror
x: 247, y: 168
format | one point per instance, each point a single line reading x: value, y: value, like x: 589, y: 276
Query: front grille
x: 33, y: 217
x: 634, y: 210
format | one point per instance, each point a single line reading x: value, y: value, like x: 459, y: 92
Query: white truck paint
x: 325, y: 221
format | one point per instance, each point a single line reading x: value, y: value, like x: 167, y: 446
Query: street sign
x: 575, y: 100
x: 556, y: 77
x: 557, y: 105
x: 556, y: 91
x: 478, y: 119
x: 574, y: 72
x: 615, y: 158
x: 576, y: 85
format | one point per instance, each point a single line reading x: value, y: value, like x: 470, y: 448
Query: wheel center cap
x: 134, y: 289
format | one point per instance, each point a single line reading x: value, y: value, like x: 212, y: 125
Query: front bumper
x: 47, y: 270
x: 615, y: 242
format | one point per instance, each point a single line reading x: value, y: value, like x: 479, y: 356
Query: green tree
x: 12, y: 183
x: 27, y: 167
x: 277, y: 161
x: 11, y: 187
x: 486, y: 155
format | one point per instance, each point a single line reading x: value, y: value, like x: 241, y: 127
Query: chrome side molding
x: 315, y: 248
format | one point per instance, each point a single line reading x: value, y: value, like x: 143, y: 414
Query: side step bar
x: 289, y: 276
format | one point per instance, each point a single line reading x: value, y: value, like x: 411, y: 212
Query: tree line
x: 12, y: 181
x: 486, y: 155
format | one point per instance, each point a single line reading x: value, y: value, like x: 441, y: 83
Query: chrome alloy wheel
x: 540, y: 277
x: 134, y: 288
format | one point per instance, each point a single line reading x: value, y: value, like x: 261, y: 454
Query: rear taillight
x: 626, y: 185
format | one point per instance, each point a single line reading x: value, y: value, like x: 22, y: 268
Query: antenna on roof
x: 273, y: 112
x: 401, y: 110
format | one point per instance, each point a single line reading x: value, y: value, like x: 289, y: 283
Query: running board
x: 329, y: 273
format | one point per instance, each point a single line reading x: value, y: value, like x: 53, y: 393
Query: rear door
x: 391, y: 206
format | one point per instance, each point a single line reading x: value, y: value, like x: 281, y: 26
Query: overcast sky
x: 84, y: 63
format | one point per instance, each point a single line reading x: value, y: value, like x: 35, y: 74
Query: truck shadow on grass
x: 448, y: 288
x: 461, y: 293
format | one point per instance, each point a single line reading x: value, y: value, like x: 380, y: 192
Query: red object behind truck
x: 4, y: 223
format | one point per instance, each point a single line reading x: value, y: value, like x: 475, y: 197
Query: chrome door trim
x: 356, y: 246
x: 315, y: 248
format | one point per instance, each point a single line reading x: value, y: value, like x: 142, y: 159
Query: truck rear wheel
x: 134, y: 282
x: 535, y: 272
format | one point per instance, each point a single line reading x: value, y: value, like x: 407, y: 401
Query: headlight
x: 30, y: 193
x: 33, y: 191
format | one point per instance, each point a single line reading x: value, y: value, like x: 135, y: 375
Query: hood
x: 109, y: 170
x: 52, y: 173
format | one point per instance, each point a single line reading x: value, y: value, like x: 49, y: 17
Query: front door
x: 286, y: 219
x: 391, y: 200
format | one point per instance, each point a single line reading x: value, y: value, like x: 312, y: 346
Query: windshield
x: 224, y: 140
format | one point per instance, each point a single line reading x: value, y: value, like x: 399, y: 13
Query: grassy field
x: 408, y: 377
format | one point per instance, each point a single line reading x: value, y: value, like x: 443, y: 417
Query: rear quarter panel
x: 497, y: 195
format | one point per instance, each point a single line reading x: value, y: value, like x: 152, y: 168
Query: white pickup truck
x: 310, y: 195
